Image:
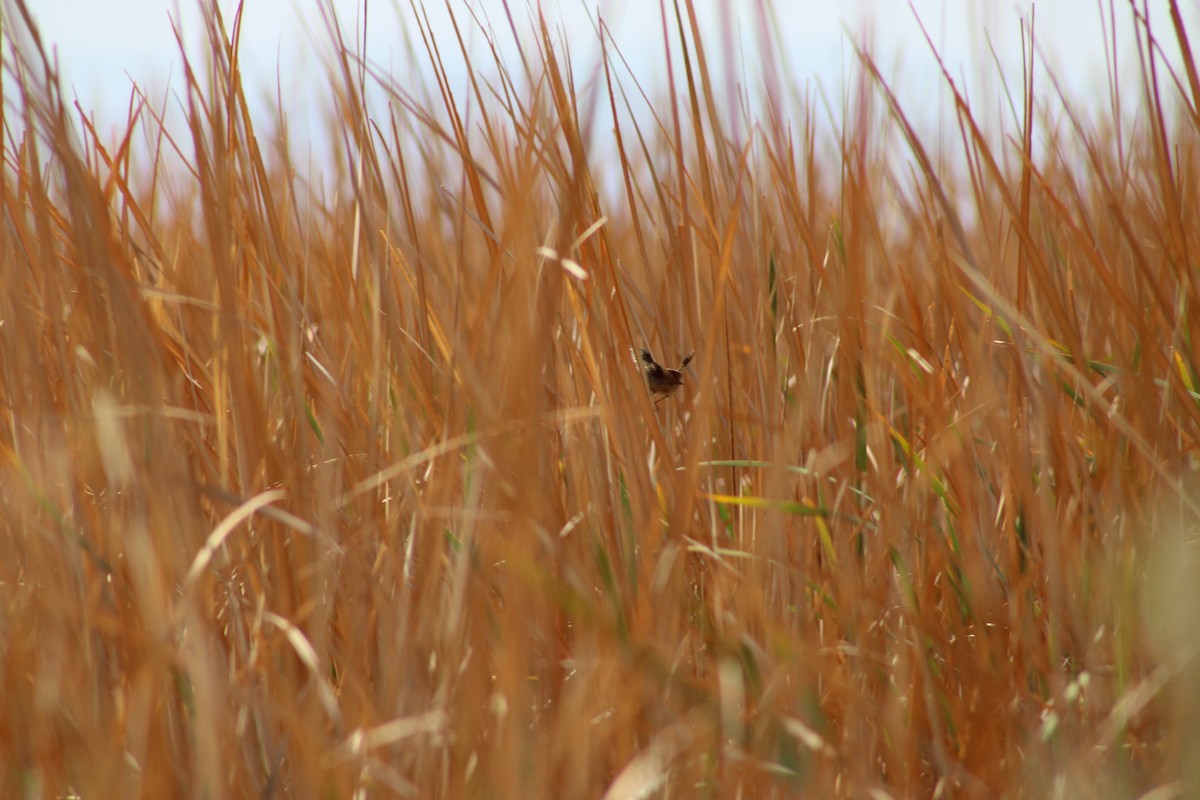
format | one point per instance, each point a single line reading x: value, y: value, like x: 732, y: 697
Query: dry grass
x: 314, y: 493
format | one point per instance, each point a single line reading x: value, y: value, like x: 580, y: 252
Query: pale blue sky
x: 103, y: 45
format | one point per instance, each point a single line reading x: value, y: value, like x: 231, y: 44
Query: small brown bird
x: 660, y: 379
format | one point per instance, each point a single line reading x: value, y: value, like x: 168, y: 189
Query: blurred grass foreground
x: 352, y: 486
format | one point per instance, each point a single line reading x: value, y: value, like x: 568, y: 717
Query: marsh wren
x: 660, y: 379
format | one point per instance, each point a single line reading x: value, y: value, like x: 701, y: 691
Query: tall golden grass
x: 358, y: 491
